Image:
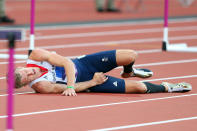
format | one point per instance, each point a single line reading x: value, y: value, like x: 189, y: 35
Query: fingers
x: 106, y: 78
x: 103, y: 77
x: 100, y: 78
x: 69, y: 93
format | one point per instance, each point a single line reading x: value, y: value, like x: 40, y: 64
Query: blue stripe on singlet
x: 60, y: 73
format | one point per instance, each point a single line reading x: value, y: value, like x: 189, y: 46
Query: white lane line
x: 141, y: 65
x: 107, y: 43
x: 103, y: 43
x: 167, y: 62
x: 146, y: 124
x: 139, y: 51
x: 160, y: 79
x: 170, y: 78
x: 18, y: 61
x: 18, y: 93
x: 2, y: 78
x: 115, y: 32
x: 95, y: 106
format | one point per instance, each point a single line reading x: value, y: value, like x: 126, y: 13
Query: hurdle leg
x: 10, y: 102
x: 32, y: 24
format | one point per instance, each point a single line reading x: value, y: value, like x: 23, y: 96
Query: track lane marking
x: 114, y: 32
x: 95, y: 106
x: 139, y: 51
x: 168, y: 78
x: 107, y: 43
x: 146, y: 124
x: 142, y: 65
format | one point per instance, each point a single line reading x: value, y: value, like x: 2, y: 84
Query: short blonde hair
x: 18, y: 78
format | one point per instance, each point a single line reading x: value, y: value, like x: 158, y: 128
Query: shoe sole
x: 143, y: 76
x: 147, y: 73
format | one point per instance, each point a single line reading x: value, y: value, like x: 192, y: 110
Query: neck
x: 38, y: 72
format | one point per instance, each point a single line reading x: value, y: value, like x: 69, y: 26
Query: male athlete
x: 48, y: 72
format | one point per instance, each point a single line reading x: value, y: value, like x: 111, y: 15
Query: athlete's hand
x: 69, y: 92
x: 99, y: 78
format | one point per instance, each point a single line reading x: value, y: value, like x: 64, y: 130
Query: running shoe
x: 179, y: 87
x: 142, y: 73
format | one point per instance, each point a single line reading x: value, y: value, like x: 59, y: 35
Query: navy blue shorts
x: 104, y: 61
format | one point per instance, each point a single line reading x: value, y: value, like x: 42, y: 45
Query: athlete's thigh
x: 112, y: 85
x: 100, y: 62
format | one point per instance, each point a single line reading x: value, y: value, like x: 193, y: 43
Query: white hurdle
x: 23, y: 35
x: 20, y: 36
x: 166, y: 46
x: 32, y: 25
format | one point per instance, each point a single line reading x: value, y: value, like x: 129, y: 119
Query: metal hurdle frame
x: 11, y: 57
x: 16, y: 56
x: 166, y: 46
x: 32, y: 25
x: 32, y: 37
x: 10, y: 99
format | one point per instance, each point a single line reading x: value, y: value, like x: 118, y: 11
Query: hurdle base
x: 181, y: 47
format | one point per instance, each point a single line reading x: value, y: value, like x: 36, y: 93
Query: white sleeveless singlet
x: 50, y: 73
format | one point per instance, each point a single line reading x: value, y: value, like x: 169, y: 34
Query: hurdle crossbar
x: 18, y: 33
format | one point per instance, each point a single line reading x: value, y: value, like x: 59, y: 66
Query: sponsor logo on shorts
x: 115, y: 83
x: 104, y: 59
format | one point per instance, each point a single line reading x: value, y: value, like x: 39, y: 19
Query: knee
x: 133, y: 54
x: 134, y: 87
x: 125, y: 57
x: 127, y: 52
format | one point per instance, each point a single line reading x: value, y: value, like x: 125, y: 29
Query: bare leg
x: 125, y: 57
x: 134, y: 87
x: 140, y: 87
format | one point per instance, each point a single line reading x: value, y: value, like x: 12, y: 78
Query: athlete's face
x: 28, y: 74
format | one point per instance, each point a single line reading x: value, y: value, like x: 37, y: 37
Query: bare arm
x: 47, y: 87
x: 57, y: 60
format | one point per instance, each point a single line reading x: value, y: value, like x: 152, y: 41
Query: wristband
x: 70, y: 87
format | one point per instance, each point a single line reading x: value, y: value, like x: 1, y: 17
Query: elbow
x: 44, y: 91
x: 40, y: 88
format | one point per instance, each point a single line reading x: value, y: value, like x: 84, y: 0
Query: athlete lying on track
x: 48, y: 72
